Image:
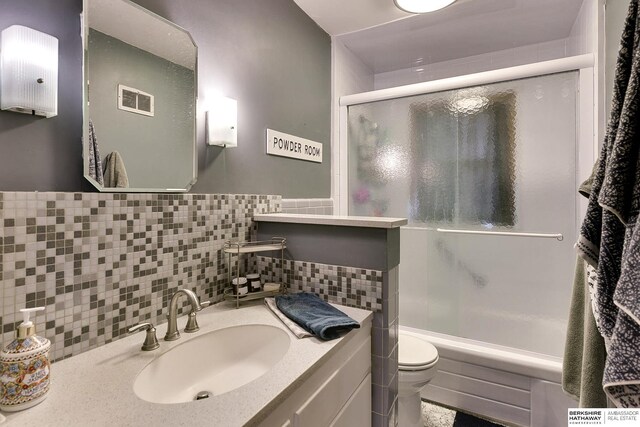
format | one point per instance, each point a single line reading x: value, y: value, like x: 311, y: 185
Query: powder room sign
x: 285, y: 145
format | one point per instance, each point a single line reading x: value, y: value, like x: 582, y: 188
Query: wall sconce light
x: 28, y: 71
x: 222, y: 122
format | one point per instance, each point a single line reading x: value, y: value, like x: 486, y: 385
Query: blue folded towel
x: 315, y: 315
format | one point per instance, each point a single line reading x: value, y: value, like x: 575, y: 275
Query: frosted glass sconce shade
x: 422, y: 6
x: 222, y: 122
x: 28, y: 71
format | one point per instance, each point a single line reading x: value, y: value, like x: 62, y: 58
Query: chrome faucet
x: 172, y: 328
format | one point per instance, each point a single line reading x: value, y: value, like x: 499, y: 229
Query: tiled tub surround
x: 351, y: 261
x: 101, y: 262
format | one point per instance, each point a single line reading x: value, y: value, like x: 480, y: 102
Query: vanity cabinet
x: 315, y: 383
x: 359, y: 405
x: 337, y: 393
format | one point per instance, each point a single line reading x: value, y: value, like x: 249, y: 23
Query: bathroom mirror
x: 140, y: 88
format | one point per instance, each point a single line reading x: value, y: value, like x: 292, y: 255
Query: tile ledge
x: 337, y: 220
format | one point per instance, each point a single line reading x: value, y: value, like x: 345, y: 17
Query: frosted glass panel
x: 500, y: 157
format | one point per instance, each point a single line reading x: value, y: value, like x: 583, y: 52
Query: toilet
x: 417, y: 360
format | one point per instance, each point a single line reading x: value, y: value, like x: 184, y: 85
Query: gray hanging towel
x: 584, y: 351
x: 115, y: 174
x: 95, y: 163
x: 608, y: 234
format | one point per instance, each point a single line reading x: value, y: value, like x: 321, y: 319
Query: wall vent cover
x: 135, y: 101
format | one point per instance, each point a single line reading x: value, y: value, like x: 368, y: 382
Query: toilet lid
x: 413, y: 351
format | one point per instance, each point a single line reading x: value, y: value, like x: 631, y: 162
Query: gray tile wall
x: 308, y: 206
x: 101, y: 262
x: 350, y: 286
x: 356, y: 287
x: 384, y: 339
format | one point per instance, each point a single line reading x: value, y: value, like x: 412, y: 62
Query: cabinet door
x: 357, y: 411
x: 323, y: 405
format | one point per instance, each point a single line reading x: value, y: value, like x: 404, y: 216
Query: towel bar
x: 557, y: 236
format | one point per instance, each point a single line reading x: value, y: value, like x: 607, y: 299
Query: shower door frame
x: 586, y: 111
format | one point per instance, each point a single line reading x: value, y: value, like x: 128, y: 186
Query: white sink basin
x: 215, y: 362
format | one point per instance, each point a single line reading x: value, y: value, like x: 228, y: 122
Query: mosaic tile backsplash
x: 101, y: 262
x: 350, y: 286
x: 356, y: 287
x: 308, y: 206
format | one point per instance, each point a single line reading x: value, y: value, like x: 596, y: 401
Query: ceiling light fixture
x: 422, y: 6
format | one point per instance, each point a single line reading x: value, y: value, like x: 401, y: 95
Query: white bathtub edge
x: 528, y: 364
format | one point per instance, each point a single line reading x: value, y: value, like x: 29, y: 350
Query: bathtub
x: 509, y: 385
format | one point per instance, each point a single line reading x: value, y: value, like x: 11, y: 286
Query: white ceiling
x: 387, y: 39
x: 344, y: 16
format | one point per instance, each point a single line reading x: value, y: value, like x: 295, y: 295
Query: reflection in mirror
x: 140, y: 99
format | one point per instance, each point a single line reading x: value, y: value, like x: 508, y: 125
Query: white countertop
x: 340, y: 220
x: 96, y: 387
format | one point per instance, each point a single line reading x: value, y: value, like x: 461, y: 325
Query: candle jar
x: 240, y: 286
x: 254, y: 282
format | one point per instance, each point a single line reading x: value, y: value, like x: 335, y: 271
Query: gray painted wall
x: 267, y: 54
x: 362, y: 247
x: 38, y: 153
x: 615, y: 14
x: 158, y: 150
x: 272, y: 58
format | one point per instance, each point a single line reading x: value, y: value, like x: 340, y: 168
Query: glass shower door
x: 496, y: 158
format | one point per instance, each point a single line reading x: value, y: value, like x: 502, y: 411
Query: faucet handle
x: 150, y: 340
x: 192, y: 322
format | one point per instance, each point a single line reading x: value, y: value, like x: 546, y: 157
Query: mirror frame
x: 84, y: 31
